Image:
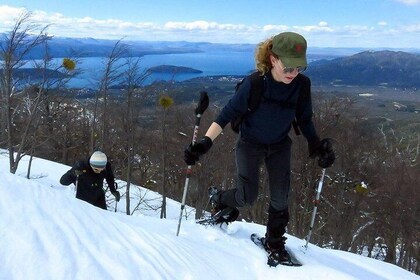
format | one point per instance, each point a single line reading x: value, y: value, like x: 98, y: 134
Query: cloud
x: 321, y: 27
x: 409, y: 2
x: 413, y: 28
x: 8, y: 15
x: 275, y: 28
x: 7, y: 12
x: 204, y: 26
x: 195, y: 25
x: 321, y: 34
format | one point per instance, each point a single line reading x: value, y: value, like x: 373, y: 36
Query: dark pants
x: 93, y: 196
x: 249, y: 158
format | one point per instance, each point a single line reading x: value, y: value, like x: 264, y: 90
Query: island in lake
x: 174, y: 69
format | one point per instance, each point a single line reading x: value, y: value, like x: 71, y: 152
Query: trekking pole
x: 116, y: 202
x: 201, y: 107
x: 316, y: 202
x: 77, y: 181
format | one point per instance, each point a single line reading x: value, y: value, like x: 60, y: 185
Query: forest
x: 369, y: 204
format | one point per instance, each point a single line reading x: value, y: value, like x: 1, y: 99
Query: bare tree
x: 134, y: 78
x: 112, y: 74
x: 165, y: 102
x: 14, y: 49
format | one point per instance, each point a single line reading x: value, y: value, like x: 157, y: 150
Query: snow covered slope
x: 45, y: 233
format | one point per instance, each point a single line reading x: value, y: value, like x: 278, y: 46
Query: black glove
x: 117, y: 195
x: 78, y: 168
x: 324, y: 151
x: 193, y: 152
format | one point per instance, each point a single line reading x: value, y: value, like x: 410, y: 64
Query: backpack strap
x: 257, y: 91
x: 296, y: 127
x: 303, y: 91
x: 256, y: 94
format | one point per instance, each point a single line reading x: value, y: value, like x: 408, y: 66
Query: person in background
x: 88, y: 176
x: 263, y: 134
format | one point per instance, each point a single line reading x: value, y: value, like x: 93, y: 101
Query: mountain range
x: 91, y: 47
x: 369, y: 68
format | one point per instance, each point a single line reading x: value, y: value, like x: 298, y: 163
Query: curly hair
x: 262, y: 56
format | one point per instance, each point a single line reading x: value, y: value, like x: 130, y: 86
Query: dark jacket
x: 271, y: 122
x: 90, y: 184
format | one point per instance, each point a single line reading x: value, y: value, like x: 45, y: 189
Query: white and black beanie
x: 98, y: 160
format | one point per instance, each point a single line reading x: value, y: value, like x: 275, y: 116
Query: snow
x: 46, y: 233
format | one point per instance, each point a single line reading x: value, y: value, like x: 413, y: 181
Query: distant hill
x: 91, y: 47
x: 369, y: 68
x: 171, y: 69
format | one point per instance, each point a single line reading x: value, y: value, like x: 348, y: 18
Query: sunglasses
x: 299, y: 69
x: 287, y: 70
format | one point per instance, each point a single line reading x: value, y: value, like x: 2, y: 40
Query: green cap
x: 290, y: 47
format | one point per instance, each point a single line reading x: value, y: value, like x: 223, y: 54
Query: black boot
x: 277, y: 253
x: 275, y: 241
x: 220, y: 212
x: 214, y: 198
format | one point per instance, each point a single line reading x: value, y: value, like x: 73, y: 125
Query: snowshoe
x: 274, y: 257
x: 226, y: 215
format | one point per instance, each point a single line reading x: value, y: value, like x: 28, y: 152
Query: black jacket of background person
x: 90, y: 184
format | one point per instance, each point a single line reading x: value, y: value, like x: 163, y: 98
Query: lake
x: 210, y: 63
x: 214, y: 63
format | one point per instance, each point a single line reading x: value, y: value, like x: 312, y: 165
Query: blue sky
x: 325, y: 23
